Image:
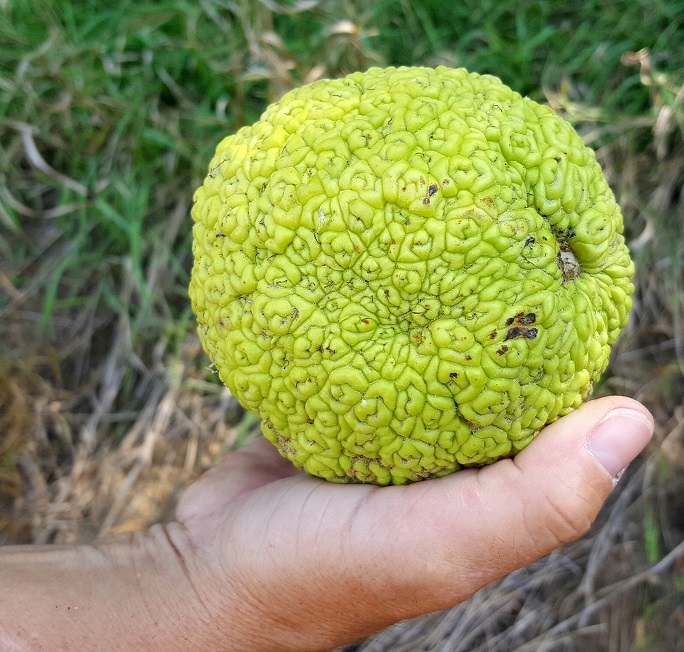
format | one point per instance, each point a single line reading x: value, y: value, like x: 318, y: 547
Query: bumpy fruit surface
x: 407, y: 271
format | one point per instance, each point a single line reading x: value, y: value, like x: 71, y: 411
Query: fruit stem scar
x: 567, y: 261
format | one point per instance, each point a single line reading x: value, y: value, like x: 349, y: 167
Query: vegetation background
x: 109, y: 113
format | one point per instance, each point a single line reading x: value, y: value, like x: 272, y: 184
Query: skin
x: 262, y: 557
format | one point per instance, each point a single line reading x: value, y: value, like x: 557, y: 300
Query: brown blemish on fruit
x: 522, y: 319
x: 521, y: 331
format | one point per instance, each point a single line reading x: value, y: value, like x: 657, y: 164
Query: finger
x: 259, y: 458
x: 476, y: 526
x: 254, y: 465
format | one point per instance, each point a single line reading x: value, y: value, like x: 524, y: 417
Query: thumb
x: 561, y: 483
x: 484, y: 524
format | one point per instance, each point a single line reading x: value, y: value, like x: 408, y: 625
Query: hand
x: 265, y: 558
x: 283, y: 561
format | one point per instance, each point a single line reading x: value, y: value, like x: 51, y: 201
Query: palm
x: 257, y: 500
x: 312, y: 545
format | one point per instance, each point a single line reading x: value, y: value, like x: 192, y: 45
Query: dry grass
x: 107, y: 409
x: 63, y: 484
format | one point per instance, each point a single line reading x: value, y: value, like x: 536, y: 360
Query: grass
x: 109, y: 113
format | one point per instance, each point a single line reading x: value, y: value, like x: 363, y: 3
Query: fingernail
x: 619, y: 438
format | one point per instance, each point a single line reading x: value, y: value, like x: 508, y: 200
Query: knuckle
x: 566, y: 517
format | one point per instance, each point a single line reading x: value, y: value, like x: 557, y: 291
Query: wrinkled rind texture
x: 406, y: 272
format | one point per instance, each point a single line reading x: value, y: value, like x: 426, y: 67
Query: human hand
x: 282, y: 561
x: 263, y: 557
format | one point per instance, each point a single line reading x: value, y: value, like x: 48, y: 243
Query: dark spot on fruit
x: 283, y: 442
x: 432, y: 189
x: 426, y: 201
x: 492, y: 335
x: 502, y: 350
x: 220, y: 234
x: 522, y: 319
x: 468, y: 357
x: 529, y: 241
x: 521, y: 331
